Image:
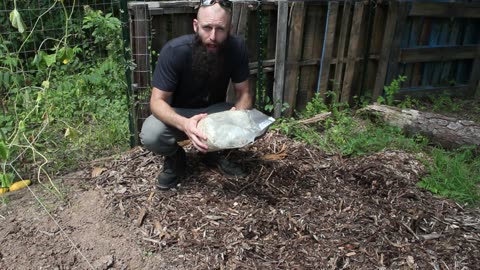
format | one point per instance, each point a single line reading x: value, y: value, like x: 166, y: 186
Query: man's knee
x: 157, y: 137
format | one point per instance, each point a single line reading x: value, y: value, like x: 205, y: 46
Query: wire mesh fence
x: 45, y: 23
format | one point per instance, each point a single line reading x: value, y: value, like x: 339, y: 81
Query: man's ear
x: 195, y: 25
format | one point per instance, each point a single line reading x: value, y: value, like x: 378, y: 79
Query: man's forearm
x: 244, y: 98
x: 165, y: 113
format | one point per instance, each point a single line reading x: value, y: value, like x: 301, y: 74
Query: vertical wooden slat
x: 422, y: 41
x: 236, y: 10
x: 353, y: 52
x: 468, y: 37
x: 389, y: 34
x: 272, y: 34
x: 159, y: 35
x: 429, y: 68
x: 474, y: 79
x: 393, y: 65
x: 280, y: 54
x: 269, y: 78
x: 182, y: 24
x: 477, y: 91
x: 412, y: 42
x: 452, y: 40
x: 294, y: 54
x: 239, y: 28
x: 327, y: 51
x: 342, y: 42
x: 375, y: 44
x: 313, y: 45
x: 240, y: 18
x: 474, y: 83
x: 442, y: 41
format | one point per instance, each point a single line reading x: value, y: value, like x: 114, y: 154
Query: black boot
x: 173, y: 169
x: 215, y: 160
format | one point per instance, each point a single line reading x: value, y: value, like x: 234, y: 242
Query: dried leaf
x: 97, y: 171
x: 184, y: 143
x: 411, y: 262
x: 141, y: 217
x: 282, y: 154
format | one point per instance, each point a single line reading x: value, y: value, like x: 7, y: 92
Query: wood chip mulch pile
x: 298, y: 208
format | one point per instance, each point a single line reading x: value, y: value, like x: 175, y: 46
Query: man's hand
x: 162, y: 110
x: 196, y: 136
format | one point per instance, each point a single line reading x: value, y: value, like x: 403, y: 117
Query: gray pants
x: 162, y: 139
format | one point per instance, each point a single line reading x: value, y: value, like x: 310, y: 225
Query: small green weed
x: 454, y: 174
x: 444, y: 103
x: 269, y: 105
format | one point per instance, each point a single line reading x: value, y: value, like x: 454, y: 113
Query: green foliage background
x: 62, y: 85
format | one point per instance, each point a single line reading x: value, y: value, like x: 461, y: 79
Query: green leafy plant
x: 269, y: 105
x: 314, y: 107
x: 409, y: 103
x: 6, y: 179
x: 390, y: 91
x: 105, y: 29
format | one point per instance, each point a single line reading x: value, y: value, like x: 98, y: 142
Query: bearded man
x: 190, y: 81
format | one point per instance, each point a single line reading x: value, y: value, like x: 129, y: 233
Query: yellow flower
x: 65, y: 61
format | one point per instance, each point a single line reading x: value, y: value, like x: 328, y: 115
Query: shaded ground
x: 297, y: 209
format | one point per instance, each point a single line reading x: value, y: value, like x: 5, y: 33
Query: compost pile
x: 298, y: 208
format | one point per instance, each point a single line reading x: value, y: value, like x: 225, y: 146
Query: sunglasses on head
x: 227, y: 4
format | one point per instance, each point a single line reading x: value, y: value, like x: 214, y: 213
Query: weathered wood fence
x: 352, y: 48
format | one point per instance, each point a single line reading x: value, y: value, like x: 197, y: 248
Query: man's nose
x: 213, y: 34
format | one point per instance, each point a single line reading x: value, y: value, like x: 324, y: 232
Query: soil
x: 298, y: 208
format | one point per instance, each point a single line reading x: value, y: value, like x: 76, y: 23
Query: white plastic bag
x: 234, y: 129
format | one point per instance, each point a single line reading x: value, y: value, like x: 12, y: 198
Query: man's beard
x: 207, y: 67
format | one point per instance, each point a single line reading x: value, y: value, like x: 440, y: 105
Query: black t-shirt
x: 173, y: 72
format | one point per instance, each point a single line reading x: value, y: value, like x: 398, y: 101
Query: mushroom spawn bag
x: 234, y: 129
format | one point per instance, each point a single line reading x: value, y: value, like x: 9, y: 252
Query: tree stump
x: 446, y: 131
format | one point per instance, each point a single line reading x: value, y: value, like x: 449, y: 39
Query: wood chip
x: 141, y: 217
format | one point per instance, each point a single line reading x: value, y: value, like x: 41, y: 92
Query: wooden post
x: 353, y: 52
x: 280, y: 53
x: 293, y: 56
x: 329, y: 37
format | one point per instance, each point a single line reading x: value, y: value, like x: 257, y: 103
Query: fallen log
x: 443, y: 130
